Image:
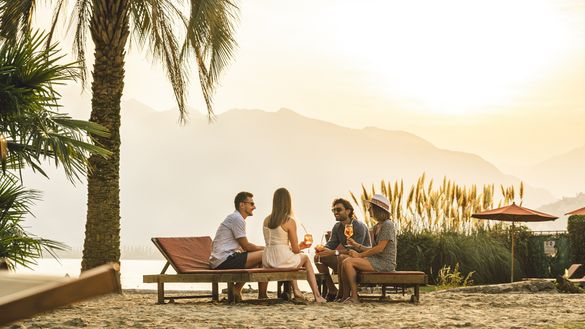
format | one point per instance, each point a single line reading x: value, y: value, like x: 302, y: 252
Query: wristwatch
x: 336, y: 252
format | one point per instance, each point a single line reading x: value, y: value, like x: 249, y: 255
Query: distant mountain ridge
x: 560, y: 208
x: 181, y: 180
x: 562, y: 174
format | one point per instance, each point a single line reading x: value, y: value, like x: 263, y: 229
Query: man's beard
x: 340, y: 219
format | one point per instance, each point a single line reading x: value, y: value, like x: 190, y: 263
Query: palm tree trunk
x: 109, y: 30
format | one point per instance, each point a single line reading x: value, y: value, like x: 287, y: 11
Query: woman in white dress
x: 282, y: 246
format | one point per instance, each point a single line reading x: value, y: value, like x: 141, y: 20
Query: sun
x: 456, y: 56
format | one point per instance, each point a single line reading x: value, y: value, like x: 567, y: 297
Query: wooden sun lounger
x: 22, y: 296
x: 189, y: 257
x: 573, y: 270
x: 576, y: 274
x: 399, y: 280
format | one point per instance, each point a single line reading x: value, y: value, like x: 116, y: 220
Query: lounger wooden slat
x: 396, y: 279
x: 22, y: 296
x: 189, y: 257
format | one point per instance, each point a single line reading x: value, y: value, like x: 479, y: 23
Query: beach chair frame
x: 230, y: 277
x: 397, y: 281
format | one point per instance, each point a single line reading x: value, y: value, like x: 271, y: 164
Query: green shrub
x: 576, y: 228
x: 448, y: 278
x: 483, y: 253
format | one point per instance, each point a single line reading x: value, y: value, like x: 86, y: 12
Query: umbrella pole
x: 512, y: 265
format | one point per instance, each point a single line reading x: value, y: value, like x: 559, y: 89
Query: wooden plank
x: 392, y: 279
x: 28, y: 302
x: 276, y: 276
x: 215, y: 277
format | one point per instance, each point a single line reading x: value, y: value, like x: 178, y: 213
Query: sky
x: 499, y: 78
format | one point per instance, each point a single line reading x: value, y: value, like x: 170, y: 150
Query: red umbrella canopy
x: 514, y: 213
x: 577, y: 212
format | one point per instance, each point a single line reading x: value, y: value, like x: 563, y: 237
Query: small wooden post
x: 161, y: 292
x: 416, y: 293
x: 230, y: 292
x: 512, y: 265
x: 288, y: 290
x: 215, y: 292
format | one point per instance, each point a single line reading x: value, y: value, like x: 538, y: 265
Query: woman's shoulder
x: 288, y: 223
x: 387, y: 224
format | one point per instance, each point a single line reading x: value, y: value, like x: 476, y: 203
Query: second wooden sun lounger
x: 22, y: 295
x: 189, y: 257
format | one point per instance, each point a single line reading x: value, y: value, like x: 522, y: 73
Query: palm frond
x: 210, y: 36
x: 152, y: 26
x: 28, y: 74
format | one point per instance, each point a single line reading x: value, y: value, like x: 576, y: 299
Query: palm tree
x: 31, y: 132
x: 207, y: 33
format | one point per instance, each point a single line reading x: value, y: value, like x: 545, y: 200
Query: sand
x: 436, y: 310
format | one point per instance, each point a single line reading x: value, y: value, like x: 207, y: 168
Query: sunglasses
x: 250, y: 202
x: 337, y: 209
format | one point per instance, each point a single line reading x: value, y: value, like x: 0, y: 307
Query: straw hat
x: 380, y: 201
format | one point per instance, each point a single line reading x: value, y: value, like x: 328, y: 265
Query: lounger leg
x: 230, y: 291
x: 279, y: 289
x: 161, y: 292
x: 288, y: 290
x: 215, y: 292
x: 415, y: 298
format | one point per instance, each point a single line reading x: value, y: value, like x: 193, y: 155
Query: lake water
x: 132, y: 271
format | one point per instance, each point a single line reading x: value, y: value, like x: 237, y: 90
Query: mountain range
x: 181, y: 179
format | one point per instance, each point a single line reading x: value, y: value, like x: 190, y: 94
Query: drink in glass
x: 308, y: 238
x: 318, y: 249
x: 348, y: 232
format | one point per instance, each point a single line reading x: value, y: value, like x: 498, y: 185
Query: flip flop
x: 331, y: 298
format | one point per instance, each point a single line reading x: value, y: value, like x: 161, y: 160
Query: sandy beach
x: 446, y: 309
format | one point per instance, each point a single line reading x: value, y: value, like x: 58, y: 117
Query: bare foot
x: 298, y: 294
x: 320, y: 299
x: 353, y: 300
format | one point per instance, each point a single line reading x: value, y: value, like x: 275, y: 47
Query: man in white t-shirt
x: 231, y: 248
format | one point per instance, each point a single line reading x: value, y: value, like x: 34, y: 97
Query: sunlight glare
x: 455, y: 56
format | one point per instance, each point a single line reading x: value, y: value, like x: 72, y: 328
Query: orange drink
x: 348, y: 231
x: 308, y: 238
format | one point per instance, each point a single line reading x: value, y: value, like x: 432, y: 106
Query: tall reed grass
x: 435, y: 228
x: 443, y: 208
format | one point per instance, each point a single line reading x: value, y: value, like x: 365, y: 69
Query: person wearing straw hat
x: 381, y: 257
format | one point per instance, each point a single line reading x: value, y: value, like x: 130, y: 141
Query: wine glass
x: 348, y: 232
x: 318, y: 249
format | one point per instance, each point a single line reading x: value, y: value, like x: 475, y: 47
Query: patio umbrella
x: 580, y: 211
x: 514, y: 213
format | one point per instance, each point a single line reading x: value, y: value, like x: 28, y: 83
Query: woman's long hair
x: 281, y: 208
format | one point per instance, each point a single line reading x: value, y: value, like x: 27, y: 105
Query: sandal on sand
x: 331, y: 298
